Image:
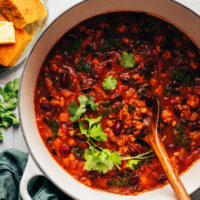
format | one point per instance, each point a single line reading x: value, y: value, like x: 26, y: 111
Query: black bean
x: 162, y: 177
x: 149, y: 101
x: 116, y: 97
x: 194, y: 126
x: 134, y: 179
x: 65, y: 150
x: 65, y: 79
x: 45, y: 106
x: 177, y: 111
x: 108, y: 64
x: 138, y: 43
x: 117, y: 128
x: 108, y: 55
x: 174, y: 83
x: 125, y: 78
x: 96, y: 76
x: 184, y: 101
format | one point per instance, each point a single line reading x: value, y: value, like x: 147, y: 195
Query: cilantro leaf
x: 82, y: 99
x: 88, y: 101
x: 109, y: 83
x: 81, y: 109
x: 82, y: 128
x: 76, y: 111
x: 12, y: 104
x: 8, y: 118
x: 97, y: 133
x: 128, y: 60
x: 72, y: 108
x: 93, y: 105
x: 2, y: 106
x: 102, y: 161
x: 131, y: 163
x: 92, y: 121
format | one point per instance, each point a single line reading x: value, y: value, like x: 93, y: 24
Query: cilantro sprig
x: 76, y: 111
x: 109, y: 83
x: 102, y: 159
x: 128, y: 60
x: 9, y: 95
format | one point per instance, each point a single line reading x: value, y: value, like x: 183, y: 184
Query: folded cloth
x: 12, y: 165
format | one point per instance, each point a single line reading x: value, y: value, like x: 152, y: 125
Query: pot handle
x: 30, y: 171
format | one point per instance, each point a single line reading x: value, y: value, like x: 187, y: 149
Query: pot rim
x: 23, y: 73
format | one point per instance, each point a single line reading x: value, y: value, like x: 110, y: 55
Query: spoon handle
x: 172, y: 175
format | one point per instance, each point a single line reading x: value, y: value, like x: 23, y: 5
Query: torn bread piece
x: 9, y: 53
x: 23, y: 12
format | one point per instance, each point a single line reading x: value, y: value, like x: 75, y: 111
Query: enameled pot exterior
x: 173, y: 12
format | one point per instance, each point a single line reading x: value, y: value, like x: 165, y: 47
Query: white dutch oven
x: 40, y: 161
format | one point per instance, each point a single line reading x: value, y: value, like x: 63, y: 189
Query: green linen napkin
x: 12, y: 165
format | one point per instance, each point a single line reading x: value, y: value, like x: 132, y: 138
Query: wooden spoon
x: 156, y: 142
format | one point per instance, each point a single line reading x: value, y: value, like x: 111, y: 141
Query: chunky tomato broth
x: 94, y: 96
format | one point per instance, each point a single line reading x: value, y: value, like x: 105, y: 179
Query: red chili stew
x: 94, y: 96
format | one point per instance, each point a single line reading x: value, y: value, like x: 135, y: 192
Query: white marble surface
x: 13, y: 137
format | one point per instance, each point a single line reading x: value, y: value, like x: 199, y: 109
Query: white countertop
x: 13, y: 137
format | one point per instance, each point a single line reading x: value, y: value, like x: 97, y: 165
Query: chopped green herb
x: 106, y: 111
x: 9, y: 94
x: 131, y: 108
x: 8, y: 118
x: 49, y: 140
x: 110, y: 40
x: 169, y: 90
x: 109, y: 83
x: 151, y: 24
x: 122, y: 180
x: 106, y: 104
x: 183, y: 77
x: 128, y: 60
x: 83, y: 65
x: 112, y: 182
x: 74, y: 46
x: 53, y: 125
x: 10, y: 90
x: 182, y: 138
x: 78, y: 151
